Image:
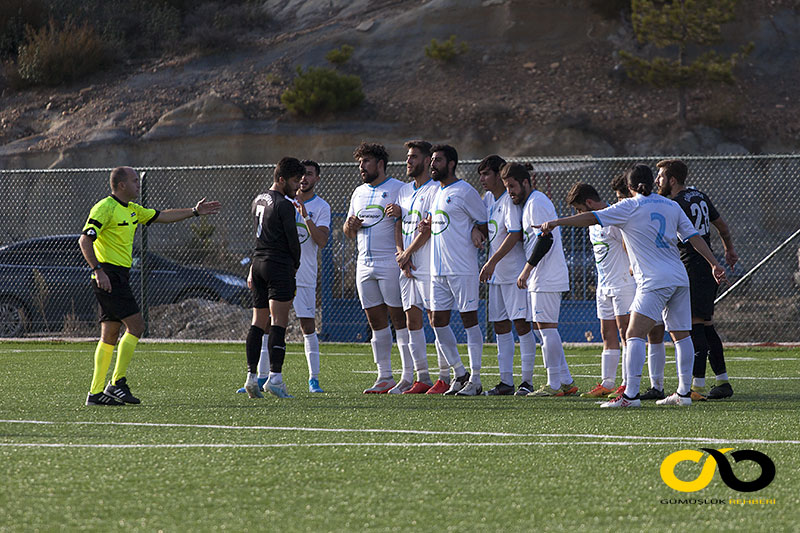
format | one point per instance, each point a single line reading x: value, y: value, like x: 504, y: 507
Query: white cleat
x: 251, y: 387
x: 471, y: 389
x: 675, y: 399
x: 400, y: 388
x: 277, y: 389
x: 381, y: 386
x: 621, y: 401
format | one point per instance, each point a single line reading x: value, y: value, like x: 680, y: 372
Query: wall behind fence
x: 195, y: 269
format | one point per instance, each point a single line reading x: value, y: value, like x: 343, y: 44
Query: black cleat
x: 653, y: 394
x: 501, y: 389
x: 524, y: 389
x: 101, y: 398
x: 720, y: 391
x: 121, y: 391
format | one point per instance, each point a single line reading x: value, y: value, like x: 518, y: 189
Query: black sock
x: 716, y: 356
x: 253, y: 348
x: 700, y: 350
x: 277, y: 348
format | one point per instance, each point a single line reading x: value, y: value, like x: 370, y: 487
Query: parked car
x: 45, y: 279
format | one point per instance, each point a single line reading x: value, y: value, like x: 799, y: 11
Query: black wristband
x: 97, y: 267
x: 194, y: 212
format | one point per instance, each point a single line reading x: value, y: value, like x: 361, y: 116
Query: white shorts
x: 508, y: 302
x: 454, y: 292
x: 415, y: 292
x: 671, y: 303
x: 545, y: 306
x: 305, y: 302
x: 612, y: 303
x: 378, y: 284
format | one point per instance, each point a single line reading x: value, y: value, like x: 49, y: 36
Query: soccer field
x: 196, y: 456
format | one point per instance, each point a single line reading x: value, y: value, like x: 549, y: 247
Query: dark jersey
x: 701, y: 212
x: 276, y: 229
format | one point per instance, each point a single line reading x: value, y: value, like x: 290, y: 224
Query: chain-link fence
x: 194, y: 282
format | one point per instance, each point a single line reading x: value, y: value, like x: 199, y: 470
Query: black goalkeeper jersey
x: 701, y: 212
x: 276, y: 229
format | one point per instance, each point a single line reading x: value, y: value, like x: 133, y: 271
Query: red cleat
x: 440, y: 387
x: 418, y: 388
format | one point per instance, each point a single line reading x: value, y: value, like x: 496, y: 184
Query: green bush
x: 319, y: 90
x: 445, y: 51
x: 56, y: 54
x: 340, y: 56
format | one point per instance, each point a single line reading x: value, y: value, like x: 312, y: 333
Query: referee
x: 272, y: 275
x: 107, y: 245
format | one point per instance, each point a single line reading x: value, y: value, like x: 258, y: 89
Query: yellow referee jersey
x: 112, y: 225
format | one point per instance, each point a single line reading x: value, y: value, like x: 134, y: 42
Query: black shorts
x: 703, y: 290
x: 272, y: 281
x: 119, y: 303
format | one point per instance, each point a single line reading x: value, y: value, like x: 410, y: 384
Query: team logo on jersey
x: 716, y: 458
x: 302, y: 232
x: 411, y: 221
x: 440, y: 221
x: 371, y: 215
x: 600, y: 251
x: 91, y: 232
x: 492, y: 230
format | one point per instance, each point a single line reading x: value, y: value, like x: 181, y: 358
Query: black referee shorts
x: 119, y: 303
x: 703, y: 290
x: 272, y: 281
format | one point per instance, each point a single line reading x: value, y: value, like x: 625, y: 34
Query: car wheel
x: 12, y: 318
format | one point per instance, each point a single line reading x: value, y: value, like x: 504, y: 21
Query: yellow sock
x: 124, y: 354
x: 102, y: 360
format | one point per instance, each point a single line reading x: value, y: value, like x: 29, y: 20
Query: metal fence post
x: 143, y: 260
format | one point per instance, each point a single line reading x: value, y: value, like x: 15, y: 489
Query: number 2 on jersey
x: 662, y: 225
x: 700, y: 213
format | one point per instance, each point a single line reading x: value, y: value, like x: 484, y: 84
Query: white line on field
x: 412, y: 432
x: 323, y: 444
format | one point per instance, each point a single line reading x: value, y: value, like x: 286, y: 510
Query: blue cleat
x: 260, y: 382
x: 313, y: 385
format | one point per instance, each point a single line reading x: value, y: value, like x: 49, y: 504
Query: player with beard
x: 544, y: 275
x: 671, y: 182
x: 507, y: 302
x: 456, y: 209
x: 377, y: 273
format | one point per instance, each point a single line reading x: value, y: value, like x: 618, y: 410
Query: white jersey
x: 415, y: 204
x: 504, y: 217
x: 320, y: 213
x: 551, y: 274
x: 376, y: 236
x: 456, y: 209
x: 651, y: 226
x: 610, y: 258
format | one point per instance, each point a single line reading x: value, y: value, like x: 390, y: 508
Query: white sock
x: 609, y: 361
x: 311, y: 344
x: 699, y: 382
x: 276, y: 377
x: 656, y: 359
x: 554, y: 338
x: 635, y: 362
x: 684, y: 360
x: 623, y: 357
x: 722, y: 377
x: 418, y: 347
x: 444, y: 366
x: 475, y: 351
x: 527, y: 349
x: 405, y: 354
x: 447, y: 341
x: 552, y: 359
x: 382, y: 351
x: 263, y: 360
x: 505, y: 357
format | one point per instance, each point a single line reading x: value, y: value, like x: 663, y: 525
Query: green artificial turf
x: 196, y: 456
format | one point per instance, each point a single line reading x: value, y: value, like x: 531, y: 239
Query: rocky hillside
x: 540, y: 78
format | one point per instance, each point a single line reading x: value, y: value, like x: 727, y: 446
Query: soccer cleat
x: 440, y: 387
x: 277, y: 389
x: 470, y: 389
x: 313, y: 385
x: 381, y: 386
x: 568, y: 390
x: 401, y: 387
x: 621, y: 401
x: 457, y: 384
x: 620, y: 390
x: 545, y: 390
x: 718, y: 392
x: 653, y: 394
x: 121, y: 391
x: 501, y: 389
x: 696, y: 396
x: 101, y: 398
x: 419, y: 387
x: 597, y: 392
x: 260, y: 382
x: 252, y: 388
x: 675, y: 399
x: 524, y: 389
